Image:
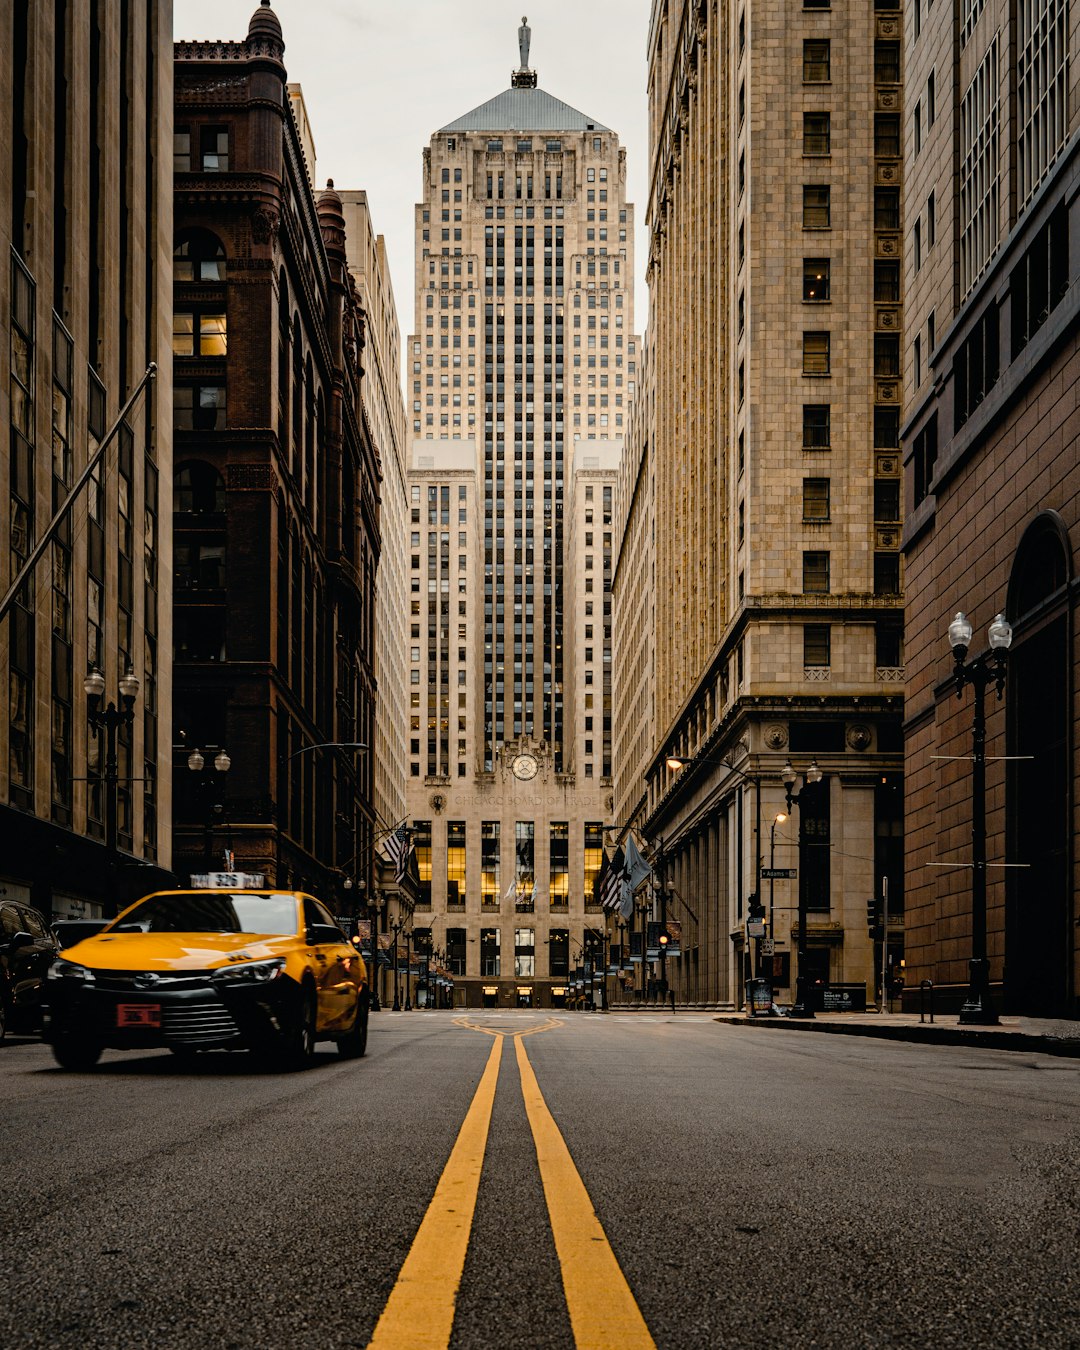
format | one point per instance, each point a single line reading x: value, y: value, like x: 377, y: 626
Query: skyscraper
x: 523, y: 367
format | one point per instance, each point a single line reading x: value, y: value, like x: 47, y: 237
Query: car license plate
x: 138, y: 1014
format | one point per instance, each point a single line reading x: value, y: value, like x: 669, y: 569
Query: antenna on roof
x: 523, y: 77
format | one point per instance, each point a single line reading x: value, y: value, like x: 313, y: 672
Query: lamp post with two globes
x: 980, y: 672
x: 212, y: 783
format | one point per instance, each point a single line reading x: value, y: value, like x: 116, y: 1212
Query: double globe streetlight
x: 980, y: 672
x: 215, y: 809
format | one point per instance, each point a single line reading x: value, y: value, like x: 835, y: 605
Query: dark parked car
x: 27, y: 950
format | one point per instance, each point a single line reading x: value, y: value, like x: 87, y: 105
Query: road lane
x: 756, y: 1190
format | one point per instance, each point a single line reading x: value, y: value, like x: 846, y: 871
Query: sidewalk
x: 1033, y: 1034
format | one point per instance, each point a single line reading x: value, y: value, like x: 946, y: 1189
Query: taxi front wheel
x: 78, y: 1053
x: 299, y: 1038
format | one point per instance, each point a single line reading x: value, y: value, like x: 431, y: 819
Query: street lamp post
x: 395, y: 926
x: 408, y: 970
x: 981, y: 671
x: 811, y: 779
x: 778, y: 819
x: 211, y: 780
x: 110, y: 718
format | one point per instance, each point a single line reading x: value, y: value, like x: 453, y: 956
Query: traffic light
x: 663, y: 941
x: 873, y: 923
x: 755, y: 907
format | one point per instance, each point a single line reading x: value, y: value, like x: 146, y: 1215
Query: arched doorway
x: 1039, y: 919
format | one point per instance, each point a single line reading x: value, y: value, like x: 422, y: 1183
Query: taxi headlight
x: 251, y: 972
x: 70, y: 970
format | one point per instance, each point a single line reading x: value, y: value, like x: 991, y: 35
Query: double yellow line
x: 419, y: 1314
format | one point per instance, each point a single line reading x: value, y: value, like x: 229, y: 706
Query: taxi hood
x: 174, y: 951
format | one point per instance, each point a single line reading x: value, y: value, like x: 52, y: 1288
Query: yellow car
x: 267, y: 971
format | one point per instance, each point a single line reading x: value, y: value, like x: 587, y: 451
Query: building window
x: 1040, y: 280
x: 524, y: 953
x: 924, y: 460
x: 559, y: 957
x: 817, y: 207
x: 455, y: 862
x: 976, y: 366
x: 888, y: 644
x: 815, y: 506
x: 198, y: 255
x: 214, y: 149
x: 886, y: 282
x: 886, y: 208
x: 979, y: 158
x: 887, y: 355
x: 814, y: 847
x: 199, y: 334
x: 421, y: 841
x: 594, y: 856
x: 886, y: 427
x: 524, y: 864
x: 886, y: 573
x: 1042, y: 93
x: 886, y: 62
x: 815, y: 279
x: 815, y: 573
x: 198, y: 489
x: 199, y: 407
x: 182, y: 150
x: 489, y: 864
x: 816, y: 133
x: 887, y: 500
x: 490, y: 964
x: 559, y: 865
x: 817, y: 644
x: 816, y: 356
x: 817, y: 60
x: 817, y: 426
x: 887, y: 135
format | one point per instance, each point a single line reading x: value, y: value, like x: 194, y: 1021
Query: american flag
x: 398, y: 847
x: 610, y: 882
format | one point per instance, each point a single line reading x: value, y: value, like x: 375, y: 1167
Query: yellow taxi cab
x: 263, y: 970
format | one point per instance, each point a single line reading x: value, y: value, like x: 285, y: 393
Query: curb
x: 923, y: 1034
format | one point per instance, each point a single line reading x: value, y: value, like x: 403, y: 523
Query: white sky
x: 379, y: 76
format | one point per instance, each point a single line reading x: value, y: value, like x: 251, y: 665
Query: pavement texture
x: 758, y: 1190
x: 1046, y: 1036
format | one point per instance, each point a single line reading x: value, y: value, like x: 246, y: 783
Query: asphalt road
x: 756, y: 1190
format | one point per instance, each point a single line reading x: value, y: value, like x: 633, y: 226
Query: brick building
x: 992, y: 484
x: 276, y: 532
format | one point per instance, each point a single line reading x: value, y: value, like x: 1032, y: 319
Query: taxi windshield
x: 212, y: 912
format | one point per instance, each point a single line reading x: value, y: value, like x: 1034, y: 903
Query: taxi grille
x: 136, y: 981
x: 196, y: 1023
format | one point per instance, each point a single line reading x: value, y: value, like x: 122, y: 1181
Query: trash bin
x: 758, y: 997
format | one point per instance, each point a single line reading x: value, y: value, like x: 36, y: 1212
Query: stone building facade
x: 992, y: 487
x: 385, y: 408
x: 275, y: 526
x: 85, y: 225
x: 775, y: 323
x: 522, y: 376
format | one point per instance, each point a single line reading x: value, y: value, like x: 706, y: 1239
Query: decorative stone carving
x: 888, y: 98
x: 887, y: 393
x: 776, y: 736
x: 888, y: 246
x: 438, y: 801
x: 887, y: 318
x: 888, y: 464
x: 264, y: 225
x: 858, y: 736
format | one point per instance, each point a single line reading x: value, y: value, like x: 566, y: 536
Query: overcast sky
x: 379, y: 76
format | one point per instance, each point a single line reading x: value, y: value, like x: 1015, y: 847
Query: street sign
x: 767, y: 946
x: 779, y: 873
x: 755, y: 928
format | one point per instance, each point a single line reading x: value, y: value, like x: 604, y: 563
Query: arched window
x: 297, y: 395
x: 198, y: 489
x: 309, y: 437
x: 1040, y: 922
x: 198, y: 256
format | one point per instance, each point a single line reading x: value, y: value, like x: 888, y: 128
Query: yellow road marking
x: 420, y: 1311
x: 604, y: 1314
